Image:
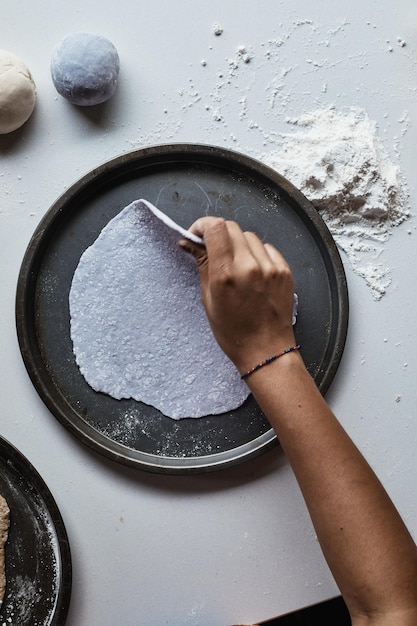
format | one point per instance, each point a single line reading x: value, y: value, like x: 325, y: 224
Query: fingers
x: 227, y: 244
x: 203, y: 224
x: 219, y: 246
x: 258, y: 249
x: 224, y: 240
x: 210, y: 228
x: 192, y: 248
x: 274, y: 254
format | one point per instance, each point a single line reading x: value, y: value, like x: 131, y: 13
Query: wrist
x: 279, y: 373
x: 251, y: 352
x: 270, y: 360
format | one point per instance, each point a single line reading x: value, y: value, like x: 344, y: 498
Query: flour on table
x: 340, y: 164
x: 138, y: 325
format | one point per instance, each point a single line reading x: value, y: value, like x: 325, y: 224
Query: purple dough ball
x: 85, y: 68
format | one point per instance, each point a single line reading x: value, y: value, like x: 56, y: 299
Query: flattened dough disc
x: 138, y: 325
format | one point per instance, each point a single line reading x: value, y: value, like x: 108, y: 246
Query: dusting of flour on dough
x: 338, y: 161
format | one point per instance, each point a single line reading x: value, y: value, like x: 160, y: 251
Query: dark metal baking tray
x: 38, y: 559
x: 185, y: 181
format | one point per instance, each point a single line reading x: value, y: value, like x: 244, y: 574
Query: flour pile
x: 340, y: 164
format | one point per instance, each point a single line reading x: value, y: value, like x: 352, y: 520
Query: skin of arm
x: 247, y: 291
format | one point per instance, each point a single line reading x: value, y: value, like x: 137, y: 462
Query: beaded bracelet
x: 269, y: 360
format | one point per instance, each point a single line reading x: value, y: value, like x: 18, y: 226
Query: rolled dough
x: 138, y: 325
x: 4, y: 531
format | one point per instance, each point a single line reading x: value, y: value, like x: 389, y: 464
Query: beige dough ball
x: 17, y: 92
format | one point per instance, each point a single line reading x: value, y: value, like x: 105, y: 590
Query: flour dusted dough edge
x: 4, y: 532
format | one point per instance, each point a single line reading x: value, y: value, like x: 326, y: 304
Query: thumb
x: 200, y: 255
x: 196, y: 250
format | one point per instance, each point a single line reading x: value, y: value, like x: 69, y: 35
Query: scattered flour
x: 333, y: 155
x: 338, y: 161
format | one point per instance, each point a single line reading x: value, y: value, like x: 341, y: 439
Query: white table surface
x: 237, y: 545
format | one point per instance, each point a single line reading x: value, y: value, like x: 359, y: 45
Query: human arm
x: 247, y: 290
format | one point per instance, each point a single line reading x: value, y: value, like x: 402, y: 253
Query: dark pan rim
x: 55, y: 216
x: 17, y: 462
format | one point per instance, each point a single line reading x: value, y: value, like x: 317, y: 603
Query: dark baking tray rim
x: 18, y: 467
x: 114, y: 170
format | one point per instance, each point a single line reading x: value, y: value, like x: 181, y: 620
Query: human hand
x: 247, y: 291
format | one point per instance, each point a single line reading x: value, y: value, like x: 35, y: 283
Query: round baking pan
x: 185, y: 181
x: 37, y: 553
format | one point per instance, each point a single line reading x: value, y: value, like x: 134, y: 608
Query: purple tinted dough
x: 85, y: 68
